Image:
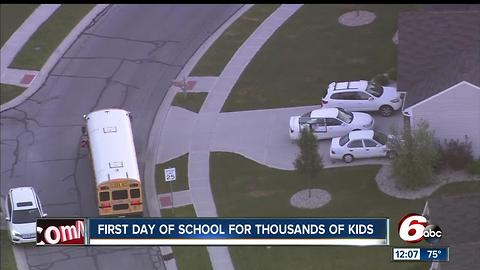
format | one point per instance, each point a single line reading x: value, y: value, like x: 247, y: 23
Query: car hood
x: 24, y: 228
x: 361, y: 119
x: 390, y: 93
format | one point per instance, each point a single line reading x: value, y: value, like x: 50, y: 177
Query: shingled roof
x: 459, y: 218
x: 438, y: 48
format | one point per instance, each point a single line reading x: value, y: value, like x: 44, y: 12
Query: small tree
x: 308, y: 162
x: 416, y: 156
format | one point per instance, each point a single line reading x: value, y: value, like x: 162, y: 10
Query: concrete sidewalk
x: 195, y: 131
x: 198, y: 162
x: 33, y: 79
x: 16, y: 42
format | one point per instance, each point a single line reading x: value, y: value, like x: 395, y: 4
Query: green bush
x: 416, y: 156
x: 392, y: 73
x: 473, y: 167
x: 456, y: 154
x: 381, y: 79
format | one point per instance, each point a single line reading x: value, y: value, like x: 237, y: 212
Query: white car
x: 329, y: 122
x: 360, y: 144
x: 362, y: 96
x: 23, y: 209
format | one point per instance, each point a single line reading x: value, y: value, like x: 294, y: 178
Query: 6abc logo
x: 413, y: 228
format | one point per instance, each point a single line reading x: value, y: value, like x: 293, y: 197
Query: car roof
x: 348, y: 86
x: 360, y: 134
x: 23, y: 194
x: 325, y: 112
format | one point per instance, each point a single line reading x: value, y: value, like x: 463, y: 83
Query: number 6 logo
x: 411, y: 228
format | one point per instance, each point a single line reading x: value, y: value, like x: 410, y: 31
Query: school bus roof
x: 111, y: 145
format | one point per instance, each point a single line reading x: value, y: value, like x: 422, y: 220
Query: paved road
x: 126, y: 59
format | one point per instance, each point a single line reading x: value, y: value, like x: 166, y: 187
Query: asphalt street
x: 126, y: 59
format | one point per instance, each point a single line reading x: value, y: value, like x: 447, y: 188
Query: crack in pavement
x: 53, y: 160
x: 156, y: 43
x: 98, y: 17
x: 131, y: 60
x: 21, y: 133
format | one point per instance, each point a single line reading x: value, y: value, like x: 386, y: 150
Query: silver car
x: 23, y: 209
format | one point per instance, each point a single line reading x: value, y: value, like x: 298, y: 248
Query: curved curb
x: 153, y: 143
x: 160, y: 117
x: 55, y: 57
x: 406, y: 194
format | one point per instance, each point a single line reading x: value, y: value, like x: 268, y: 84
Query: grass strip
x: 217, y: 56
x: 49, y: 35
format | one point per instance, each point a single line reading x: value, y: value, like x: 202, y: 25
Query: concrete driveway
x: 260, y: 135
x: 125, y: 59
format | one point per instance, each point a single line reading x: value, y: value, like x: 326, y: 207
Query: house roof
x: 458, y: 217
x: 438, y: 48
x: 463, y: 257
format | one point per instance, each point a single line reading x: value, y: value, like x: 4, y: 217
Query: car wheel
x: 386, y: 110
x: 391, y: 154
x: 348, y: 158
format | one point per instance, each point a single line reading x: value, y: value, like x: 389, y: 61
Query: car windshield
x: 306, y: 114
x: 374, y: 89
x: 380, y: 137
x: 345, y: 116
x: 25, y: 216
x: 343, y: 140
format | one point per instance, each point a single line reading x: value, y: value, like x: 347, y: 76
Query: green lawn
x: 244, y: 188
x: 189, y: 257
x: 9, y: 92
x: 183, y: 211
x: 217, y: 56
x: 311, y: 50
x: 49, y: 35
x: 190, y: 101
x: 181, y: 167
x: 11, y: 17
x: 7, y: 258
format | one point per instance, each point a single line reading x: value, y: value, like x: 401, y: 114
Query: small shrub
x: 473, y: 167
x: 381, y: 79
x: 392, y: 73
x: 456, y: 154
x: 416, y: 156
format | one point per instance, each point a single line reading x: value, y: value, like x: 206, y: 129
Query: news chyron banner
x: 214, y: 231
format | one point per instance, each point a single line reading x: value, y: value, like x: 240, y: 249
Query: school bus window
x: 135, y: 193
x: 119, y: 194
x: 104, y: 196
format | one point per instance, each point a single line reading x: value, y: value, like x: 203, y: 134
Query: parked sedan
x: 23, y: 209
x: 330, y: 122
x: 360, y: 144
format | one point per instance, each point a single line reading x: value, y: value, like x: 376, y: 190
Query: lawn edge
x: 55, y: 57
